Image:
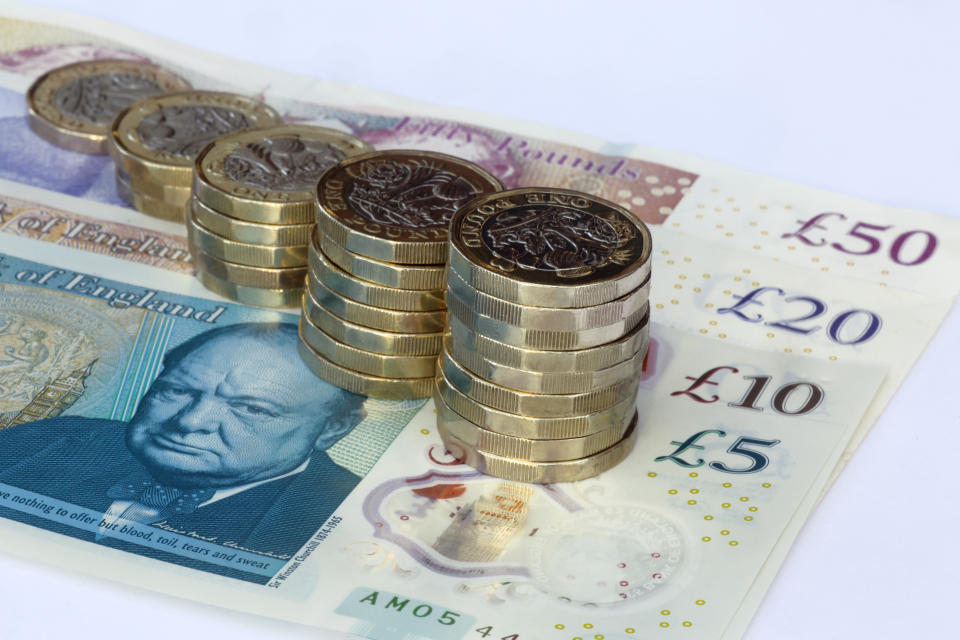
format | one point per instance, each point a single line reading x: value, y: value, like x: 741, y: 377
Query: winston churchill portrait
x: 227, y: 446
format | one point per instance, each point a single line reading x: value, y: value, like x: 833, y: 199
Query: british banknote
x: 742, y: 260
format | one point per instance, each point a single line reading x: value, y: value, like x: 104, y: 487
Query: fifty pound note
x: 178, y: 444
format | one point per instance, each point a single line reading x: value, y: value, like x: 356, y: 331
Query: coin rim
x: 530, y: 449
x: 371, y: 293
x: 543, y: 472
x: 171, y: 194
x: 256, y: 296
x: 388, y: 274
x: 245, y: 253
x: 367, y: 338
x: 534, y: 405
x: 589, y: 359
x: 512, y: 424
x: 542, y: 339
x: 363, y: 384
x: 376, y: 317
x: 542, y: 382
x: 549, y: 318
x: 124, y: 189
x: 246, y: 275
x: 155, y: 208
x: 277, y: 235
x: 377, y: 364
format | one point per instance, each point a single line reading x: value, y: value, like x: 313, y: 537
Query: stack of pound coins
x: 253, y: 209
x: 72, y: 106
x: 153, y: 143
x: 373, y: 309
x: 548, y: 327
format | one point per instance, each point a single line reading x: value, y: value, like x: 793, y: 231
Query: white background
x: 855, y: 97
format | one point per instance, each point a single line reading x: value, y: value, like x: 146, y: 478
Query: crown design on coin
x: 568, y: 241
x: 184, y: 130
x: 416, y: 194
x: 284, y: 164
x: 96, y: 99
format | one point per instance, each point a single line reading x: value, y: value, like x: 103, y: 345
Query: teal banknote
x: 178, y: 428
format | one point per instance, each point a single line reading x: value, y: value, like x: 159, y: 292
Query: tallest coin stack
x: 374, y: 310
x: 547, y: 292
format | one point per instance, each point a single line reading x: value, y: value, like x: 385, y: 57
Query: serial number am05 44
x: 395, y: 612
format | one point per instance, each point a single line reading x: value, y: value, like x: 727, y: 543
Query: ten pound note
x: 783, y: 320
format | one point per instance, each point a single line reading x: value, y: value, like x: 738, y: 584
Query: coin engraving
x: 283, y: 164
x: 96, y: 99
x: 73, y: 106
x: 417, y: 194
x: 184, y: 130
x: 571, y: 242
x: 549, y: 247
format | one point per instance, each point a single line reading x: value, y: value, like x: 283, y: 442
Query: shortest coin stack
x: 548, y: 326
x: 252, y: 212
x: 153, y: 144
x: 72, y: 106
x: 374, y: 310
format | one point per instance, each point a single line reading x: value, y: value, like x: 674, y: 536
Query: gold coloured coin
x: 534, y: 450
x: 549, y: 248
x: 377, y: 364
x: 250, y: 295
x: 362, y: 383
x: 396, y: 205
x: 562, y: 319
x: 171, y: 194
x: 370, y: 293
x: 270, y: 175
x: 355, y: 335
x: 512, y: 424
x: 254, y: 255
x: 540, y: 472
x: 375, y: 317
x: 557, y: 362
x: 388, y: 274
x: 72, y: 106
x: 538, y: 382
x: 156, y: 208
x: 124, y: 190
x: 158, y: 138
x: 245, y: 275
x: 277, y: 235
x: 535, y: 405
x: 536, y: 338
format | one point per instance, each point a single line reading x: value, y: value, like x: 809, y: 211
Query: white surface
x: 855, y: 97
